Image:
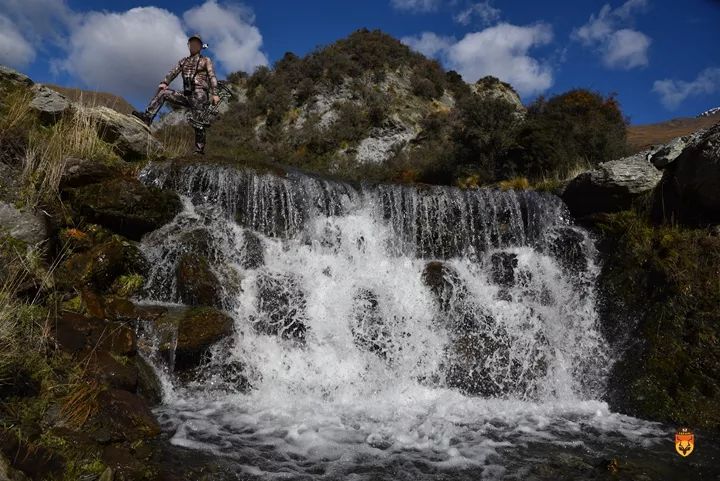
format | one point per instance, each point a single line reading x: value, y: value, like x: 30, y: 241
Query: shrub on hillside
x: 575, y: 127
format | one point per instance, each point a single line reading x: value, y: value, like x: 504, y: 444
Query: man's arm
x: 211, y: 77
x: 172, y: 74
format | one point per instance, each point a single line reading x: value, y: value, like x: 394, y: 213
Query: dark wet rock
x: 22, y: 224
x: 690, y: 189
x: 79, y: 334
x: 121, y: 416
x: 612, y: 186
x: 186, y: 334
x: 443, y: 281
x: 281, y: 307
x: 567, y: 245
x: 148, y: 383
x: 227, y: 375
x: 102, y: 265
x: 369, y: 329
x: 253, y: 254
x: 49, y: 105
x: 80, y: 172
x: 197, y: 284
x: 125, y: 206
x: 131, y: 137
x: 197, y: 241
x: 503, y: 265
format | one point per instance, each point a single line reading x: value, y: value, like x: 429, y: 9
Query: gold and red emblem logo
x: 684, y: 442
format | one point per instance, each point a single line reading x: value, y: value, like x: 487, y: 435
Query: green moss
x: 662, y: 290
x: 127, y: 285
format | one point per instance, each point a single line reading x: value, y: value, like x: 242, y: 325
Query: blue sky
x: 661, y: 57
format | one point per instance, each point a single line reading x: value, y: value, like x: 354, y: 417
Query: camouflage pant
x: 199, y: 100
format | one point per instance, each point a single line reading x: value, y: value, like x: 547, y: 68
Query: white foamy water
x: 386, y: 332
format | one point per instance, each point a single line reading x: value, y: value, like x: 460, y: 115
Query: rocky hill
x: 641, y: 137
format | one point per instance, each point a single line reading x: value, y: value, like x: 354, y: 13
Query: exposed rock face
x: 492, y: 88
x: 612, y: 186
x: 126, y: 206
x: 132, y: 138
x: 21, y: 224
x: 379, y: 146
x: 49, y: 104
x: 690, y: 188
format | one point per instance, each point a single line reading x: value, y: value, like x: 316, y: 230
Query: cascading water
x: 384, y: 331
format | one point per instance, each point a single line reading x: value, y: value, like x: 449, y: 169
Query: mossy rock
x: 187, y: 333
x: 125, y: 206
x: 101, y: 266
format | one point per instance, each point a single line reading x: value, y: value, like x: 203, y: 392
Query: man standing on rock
x: 199, y: 85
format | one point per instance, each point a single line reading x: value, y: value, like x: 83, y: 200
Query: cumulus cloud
x: 428, y: 43
x: 608, y: 32
x: 486, y: 13
x: 235, y: 41
x: 416, y: 5
x: 15, y: 51
x: 674, y: 92
x: 502, y: 51
x: 129, y: 52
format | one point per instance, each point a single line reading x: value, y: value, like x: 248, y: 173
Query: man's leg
x: 156, y: 103
x: 199, y: 102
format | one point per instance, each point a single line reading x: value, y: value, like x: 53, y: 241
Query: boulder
x: 49, y: 104
x: 667, y: 154
x: 79, y: 172
x: 690, y: 187
x: 612, y: 186
x: 131, y: 137
x: 122, y: 416
x: 22, y: 224
x: 197, y: 284
x: 102, y: 265
x: 253, y: 253
x: 125, y: 206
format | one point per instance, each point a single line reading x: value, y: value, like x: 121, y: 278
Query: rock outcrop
x: 131, y: 137
x: 492, y: 88
x: 690, y: 189
x: 612, y: 186
x: 21, y: 224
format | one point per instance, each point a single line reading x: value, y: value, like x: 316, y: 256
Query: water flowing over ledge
x: 384, y: 329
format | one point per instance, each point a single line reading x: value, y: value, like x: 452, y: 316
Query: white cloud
x: 501, y: 51
x: 416, y: 5
x: 674, y: 92
x: 428, y: 43
x: 126, y: 53
x: 626, y: 49
x: 15, y: 51
x: 620, y: 47
x: 129, y: 52
x: 234, y: 40
x: 484, y: 11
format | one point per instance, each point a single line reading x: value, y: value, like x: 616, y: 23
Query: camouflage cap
x: 195, y: 36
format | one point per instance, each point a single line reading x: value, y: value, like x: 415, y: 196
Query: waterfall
x: 382, y: 325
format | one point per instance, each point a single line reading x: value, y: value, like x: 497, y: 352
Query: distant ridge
x: 641, y: 137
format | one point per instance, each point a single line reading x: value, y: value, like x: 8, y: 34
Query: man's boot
x: 200, y: 148
x: 143, y: 116
x: 199, y: 140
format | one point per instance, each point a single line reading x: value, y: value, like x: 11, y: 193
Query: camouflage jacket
x: 199, y: 66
